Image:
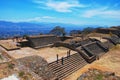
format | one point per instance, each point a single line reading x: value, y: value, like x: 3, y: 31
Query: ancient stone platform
x: 8, y: 45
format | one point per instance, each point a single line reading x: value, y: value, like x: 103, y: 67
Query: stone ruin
x: 37, y: 66
x: 108, y: 30
x: 91, y: 50
x: 87, y: 51
x: 111, y: 41
x: 42, y: 40
x: 114, y: 39
x: 95, y: 74
x: 86, y: 41
x: 67, y: 65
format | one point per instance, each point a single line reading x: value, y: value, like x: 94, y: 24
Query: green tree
x: 25, y: 36
x: 88, y: 30
x: 41, y: 33
x: 72, y: 32
x: 58, y: 31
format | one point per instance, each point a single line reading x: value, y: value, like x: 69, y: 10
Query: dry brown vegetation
x: 111, y: 60
x: 95, y: 74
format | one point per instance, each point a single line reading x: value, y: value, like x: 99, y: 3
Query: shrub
x: 1, y: 57
x: 21, y: 74
x: 11, y: 66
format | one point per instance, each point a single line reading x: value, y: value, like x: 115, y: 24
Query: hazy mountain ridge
x: 9, y: 29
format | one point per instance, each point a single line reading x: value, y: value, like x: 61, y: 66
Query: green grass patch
x: 99, y: 77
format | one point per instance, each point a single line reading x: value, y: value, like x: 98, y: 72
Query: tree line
x: 60, y: 31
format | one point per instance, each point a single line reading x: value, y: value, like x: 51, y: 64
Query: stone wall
x: 42, y: 41
x: 107, y: 31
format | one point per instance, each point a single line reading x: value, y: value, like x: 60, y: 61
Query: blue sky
x: 85, y: 12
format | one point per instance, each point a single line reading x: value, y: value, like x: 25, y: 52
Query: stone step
x: 59, y: 61
x: 70, y: 72
x: 71, y: 64
x: 65, y: 66
x: 66, y: 62
x: 89, y: 53
x: 103, y: 46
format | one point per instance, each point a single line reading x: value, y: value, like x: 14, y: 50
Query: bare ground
x: 48, y: 53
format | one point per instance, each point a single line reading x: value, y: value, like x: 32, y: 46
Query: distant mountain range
x: 10, y: 29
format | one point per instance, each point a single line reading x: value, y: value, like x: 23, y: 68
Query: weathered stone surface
x: 38, y: 65
x: 94, y: 74
x: 42, y: 40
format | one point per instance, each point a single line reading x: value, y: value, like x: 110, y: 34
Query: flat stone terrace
x: 47, y: 53
x: 8, y: 44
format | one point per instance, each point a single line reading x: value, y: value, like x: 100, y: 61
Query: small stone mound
x: 94, y: 74
x: 38, y: 65
x: 3, y: 58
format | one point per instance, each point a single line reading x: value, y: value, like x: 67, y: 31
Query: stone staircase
x: 69, y: 66
x: 115, y: 39
x: 94, y: 49
x: 111, y: 41
x: 86, y: 41
x: 103, y: 46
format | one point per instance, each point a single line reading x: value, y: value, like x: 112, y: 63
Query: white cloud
x: 102, y: 12
x: 111, y: 14
x: 38, y: 19
x: 59, y: 6
x: 48, y: 17
x: 34, y: 19
x: 93, y: 12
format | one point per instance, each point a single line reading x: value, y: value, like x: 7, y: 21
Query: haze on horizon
x: 97, y: 12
